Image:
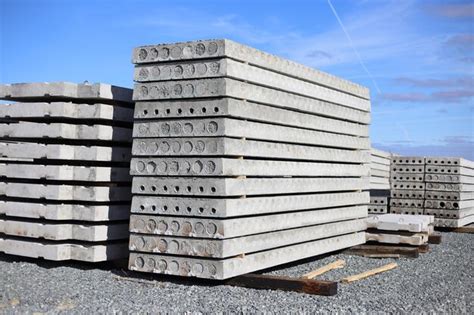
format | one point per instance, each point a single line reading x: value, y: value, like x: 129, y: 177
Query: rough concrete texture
x: 65, y: 172
x: 65, y: 192
x: 406, y: 203
x: 222, y: 146
x: 246, y: 54
x: 377, y: 209
x: 454, y: 195
x: 63, y: 251
x: 454, y: 223
x: 221, y: 87
x: 449, y: 170
x: 197, y: 186
x: 407, y: 194
x: 241, y: 167
x: 233, y: 207
x: 97, y: 92
x: 96, y: 112
x: 51, y: 230
x: 438, y: 178
x: 450, y: 161
x: 400, y: 222
x: 227, y: 268
x: 450, y: 214
x: 25, y: 150
x: 248, y: 73
x: 227, y: 228
x: 65, y: 131
x: 402, y: 210
x: 240, y: 245
x: 447, y: 204
x: 408, y: 185
x: 310, y: 114
x: 406, y: 177
x: 408, y: 160
x: 416, y: 239
x: 65, y: 212
x: 446, y: 187
x: 245, y: 129
x: 408, y: 169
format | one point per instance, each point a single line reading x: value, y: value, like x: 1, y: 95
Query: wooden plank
x: 369, y: 273
x: 365, y: 250
x: 269, y: 282
x: 425, y: 248
x: 317, y: 272
x: 434, y: 238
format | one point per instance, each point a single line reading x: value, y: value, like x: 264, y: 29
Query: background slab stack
x: 243, y: 160
x: 407, y: 185
x: 449, y: 192
x: 379, y: 181
x: 64, y: 157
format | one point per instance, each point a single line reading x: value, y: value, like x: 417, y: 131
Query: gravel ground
x: 440, y: 281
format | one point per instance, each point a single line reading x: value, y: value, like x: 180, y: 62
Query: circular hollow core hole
x: 142, y: 188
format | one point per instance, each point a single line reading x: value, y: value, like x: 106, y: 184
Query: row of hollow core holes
x: 179, y: 111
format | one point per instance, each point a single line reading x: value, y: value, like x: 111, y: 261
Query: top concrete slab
x: 380, y: 153
x: 83, y: 92
x: 450, y: 161
x: 408, y: 160
x: 226, y: 48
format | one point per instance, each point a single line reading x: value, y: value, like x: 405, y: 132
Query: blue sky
x: 419, y: 54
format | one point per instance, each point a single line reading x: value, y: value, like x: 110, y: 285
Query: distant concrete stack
x: 380, y: 162
x: 242, y: 160
x: 64, y: 156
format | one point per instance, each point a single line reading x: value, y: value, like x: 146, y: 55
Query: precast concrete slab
x: 202, y: 166
x: 234, y: 227
x: 379, y: 160
x: 65, y: 131
x: 63, y: 251
x: 231, y: 267
x: 65, y: 172
x: 378, y: 200
x: 449, y: 187
x: 307, y: 114
x: 407, y: 194
x: 450, y: 214
x: 379, y: 180
x: 240, y: 245
x: 51, y: 230
x: 229, y: 127
x: 248, y: 55
x: 416, y: 239
x: 68, y: 110
x: 65, y: 212
x: 450, y: 196
x: 450, y: 161
x: 380, y: 167
x: 222, y: 146
x: 406, y: 203
x: 379, y: 173
x: 406, y: 177
x: 439, y: 178
x: 401, y: 222
x: 233, y: 207
x: 408, y: 160
x: 383, y: 154
x: 411, y: 211
x: 51, y: 91
x: 408, y: 169
x: 198, y: 186
x: 25, y: 150
x: 448, y: 204
x: 454, y: 223
x: 449, y: 170
x: 407, y: 185
x: 65, y: 192
x: 377, y: 209
x: 377, y: 186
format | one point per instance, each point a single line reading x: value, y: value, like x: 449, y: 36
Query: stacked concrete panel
x: 380, y: 162
x: 449, y: 194
x: 65, y: 184
x: 242, y: 160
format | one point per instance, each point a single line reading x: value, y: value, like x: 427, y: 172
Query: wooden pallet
x: 387, y: 251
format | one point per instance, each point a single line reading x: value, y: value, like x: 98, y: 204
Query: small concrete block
x: 450, y: 161
x: 407, y: 194
x: 407, y: 185
x: 245, y: 129
x: 231, y: 267
x: 241, y: 167
x: 454, y: 223
x: 63, y: 251
x: 227, y: 228
x: 65, y: 212
x: 57, y: 231
x: 240, y: 245
x: 438, y: 178
x: 408, y: 169
x: 197, y: 186
x: 416, y: 239
x: 401, y: 222
x: 448, y: 204
x: 408, y: 160
x: 450, y: 214
x: 406, y: 203
x: 406, y: 177
x: 449, y: 196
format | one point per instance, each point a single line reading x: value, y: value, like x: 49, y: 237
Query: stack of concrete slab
x: 400, y: 229
x: 243, y: 160
x: 379, y: 181
x: 65, y: 184
x: 449, y: 194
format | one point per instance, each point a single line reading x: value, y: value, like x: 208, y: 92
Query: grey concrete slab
x: 227, y: 228
x: 411, y: 211
x: 65, y: 131
x: 408, y: 160
x: 47, y: 91
x: 65, y: 172
x: 443, y: 178
x: 407, y: 177
x: 378, y: 200
x: 450, y: 214
x: 231, y: 267
x: 248, y: 55
x: 380, y: 167
x: 63, y: 251
x: 25, y: 150
x: 65, y: 192
x: 408, y: 169
x: 196, y: 186
x: 240, y: 245
x: 406, y: 203
x: 233, y: 207
x: 379, y: 173
x: 220, y: 87
x: 377, y: 209
x: 222, y: 146
x: 454, y: 223
x: 407, y: 194
x: 377, y: 186
x: 247, y: 73
x: 416, y: 239
x: 449, y: 170
x: 245, y: 129
x: 308, y: 113
x: 65, y: 212
x: 379, y: 180
x: 449, y: 187
x: 407, y: 185
x: 191, y: 166
x: 379, y: 160
x: 401, y: 222
x: 448, y: 204
x: 66, y: 110
x: 450, y: 161
x: 450, y: 196
x: 58, y: 231
x: 380, y: 153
